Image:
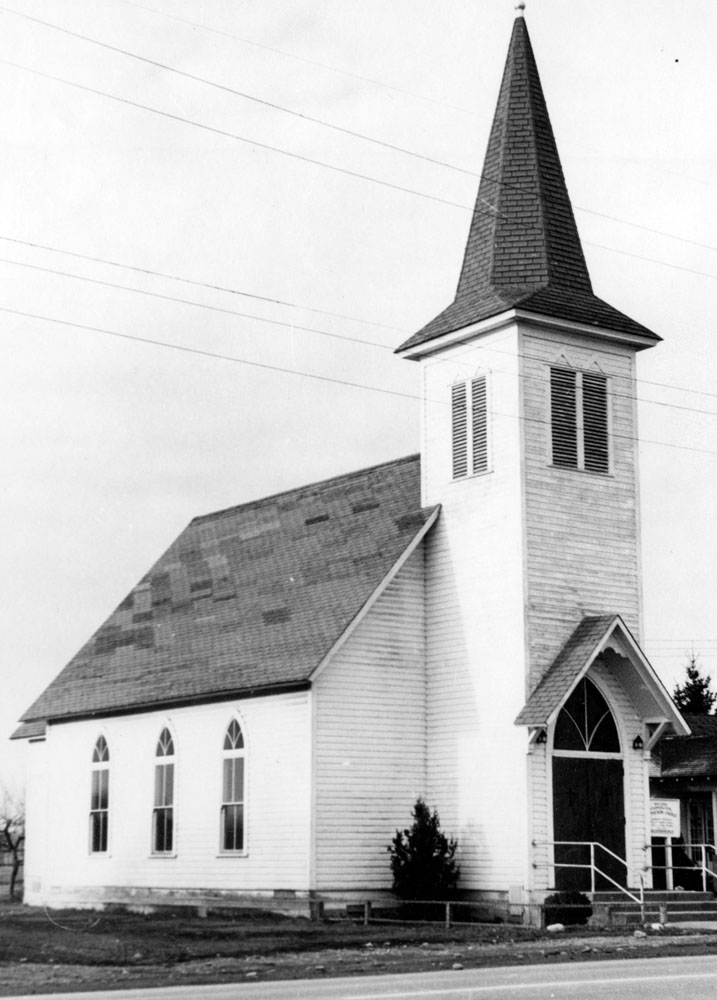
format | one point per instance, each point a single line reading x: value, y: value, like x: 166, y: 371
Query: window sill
x: 233, y: 854
x: 469, y: 476
x: 583, y: 472
x: 157, y: 856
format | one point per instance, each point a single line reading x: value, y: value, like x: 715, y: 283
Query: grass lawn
x: 72, y: 950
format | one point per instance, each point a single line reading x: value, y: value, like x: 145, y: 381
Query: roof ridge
x: 224, y: 511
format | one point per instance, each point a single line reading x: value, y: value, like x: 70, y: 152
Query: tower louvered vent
x: 470, y: 427
x: 579, y: 420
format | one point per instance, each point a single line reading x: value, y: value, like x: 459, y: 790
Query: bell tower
x: 529, y: 444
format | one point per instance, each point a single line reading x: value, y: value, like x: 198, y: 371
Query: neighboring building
x: 262, y: 710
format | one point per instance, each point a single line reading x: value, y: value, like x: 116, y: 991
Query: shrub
x: 423, y: 859
x: 567, y: 907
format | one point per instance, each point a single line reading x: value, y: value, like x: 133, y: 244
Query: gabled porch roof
x: 595, y: 636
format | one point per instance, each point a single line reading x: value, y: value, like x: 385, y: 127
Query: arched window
x: 163, y: 813
x: 586, y: 723
x: 100, y: 797
x: 232, y: 813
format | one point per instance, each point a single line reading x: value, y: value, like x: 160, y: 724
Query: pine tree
x: 695, y: 696
x: 423, y: 859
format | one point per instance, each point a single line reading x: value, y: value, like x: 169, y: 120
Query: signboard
x: 665, y: 817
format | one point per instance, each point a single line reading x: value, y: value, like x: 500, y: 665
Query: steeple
x: 523, y: 250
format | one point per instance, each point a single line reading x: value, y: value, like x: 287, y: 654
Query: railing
x: 698, y: 855
x: 592, y: 866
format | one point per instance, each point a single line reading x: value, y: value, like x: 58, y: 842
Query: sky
x: 249, y: 349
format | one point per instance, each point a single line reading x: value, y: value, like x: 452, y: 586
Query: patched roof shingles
x: 557, y: 682
x: 246, y: 599
x: 692, y: 756
x: 523, y: 250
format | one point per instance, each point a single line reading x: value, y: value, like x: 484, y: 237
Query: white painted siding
x: 582, y: 528
x: 475, y: 614
x: 370, y: 737
x: 36, y: 822
x: 278, y: 798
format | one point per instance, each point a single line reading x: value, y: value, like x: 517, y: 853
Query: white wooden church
x: 260, y: 713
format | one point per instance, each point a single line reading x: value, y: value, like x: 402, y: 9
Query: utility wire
x: 304, y: 159
x: 189, y: 302
x: 302, y: 59
x: 229, y: 135
x: 199, y: 284
x: 321, y: 378
x: 345, y: 131
x: 207, y: 354
x: 350, y: 339
x: 237, y: 93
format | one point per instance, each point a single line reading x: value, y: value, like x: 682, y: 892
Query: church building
x: 259, y: 715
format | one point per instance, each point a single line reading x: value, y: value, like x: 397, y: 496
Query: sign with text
x: 665, y: 817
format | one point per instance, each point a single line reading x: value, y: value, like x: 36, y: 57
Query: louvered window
x: 579, y: 420
x: 469, y: 401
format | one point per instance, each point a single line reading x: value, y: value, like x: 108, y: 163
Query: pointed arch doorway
x: 588, y: 795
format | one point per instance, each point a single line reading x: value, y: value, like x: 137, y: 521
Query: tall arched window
x: 163, y: 813
x: 585, y: 723
x: 232, y: 813
x: 100, y: 797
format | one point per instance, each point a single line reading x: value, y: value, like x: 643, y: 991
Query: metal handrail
x: 705, y: 871
x: 594, y: 870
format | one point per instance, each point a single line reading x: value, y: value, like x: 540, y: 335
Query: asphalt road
x: 648, y: 978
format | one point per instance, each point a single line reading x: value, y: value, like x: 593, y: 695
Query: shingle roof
x: 552, y: 689
x: 691, y: 756
x: 246, y: 599
x: 523, y: 248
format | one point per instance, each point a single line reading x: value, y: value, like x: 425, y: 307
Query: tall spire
x: 523, y: 248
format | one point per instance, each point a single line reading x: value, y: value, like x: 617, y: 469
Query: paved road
x: 647, y: 979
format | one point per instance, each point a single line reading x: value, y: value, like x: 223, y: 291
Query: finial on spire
x: 520, y: 7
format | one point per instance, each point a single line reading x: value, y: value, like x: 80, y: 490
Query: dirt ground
x: 57, y: 951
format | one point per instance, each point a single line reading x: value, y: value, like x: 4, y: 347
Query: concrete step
x: 654, y: 896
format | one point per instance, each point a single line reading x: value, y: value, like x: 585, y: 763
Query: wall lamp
x: 637, y: 743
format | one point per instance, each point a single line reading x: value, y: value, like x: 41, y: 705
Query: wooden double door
x: 588, y: 805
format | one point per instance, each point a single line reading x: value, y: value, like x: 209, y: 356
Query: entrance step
x: 660, y: 906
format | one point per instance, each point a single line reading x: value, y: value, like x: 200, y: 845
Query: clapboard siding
x: 582, y: 537
x: 278, y: 782
x: 370, y: 737
x: 475, y: 613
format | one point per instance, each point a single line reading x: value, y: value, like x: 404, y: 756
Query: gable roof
x: 593, y: 636
x: 248, y: 599
x: 523, y: 250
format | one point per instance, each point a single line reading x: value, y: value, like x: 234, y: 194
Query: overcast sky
x: 110, y: 445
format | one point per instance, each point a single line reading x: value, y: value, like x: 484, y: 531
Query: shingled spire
x: 523, y: 248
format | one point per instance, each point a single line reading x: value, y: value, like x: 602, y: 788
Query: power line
x: 348, y: 338
x: 302, y: 59
x: 237, y: 93
x: 321, y: 378
x: 345, y: 131
x: 230, y: 135
x: 199, y: 284
x: 308, y: 329
x: 207, y: 354
x: 189, y: 302
x: 307, y: 159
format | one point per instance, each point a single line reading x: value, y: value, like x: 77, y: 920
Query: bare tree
x: 12, y: 834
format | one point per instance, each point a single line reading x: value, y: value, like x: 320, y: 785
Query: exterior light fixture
x: 637, y: 743
x: 542, y: 737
